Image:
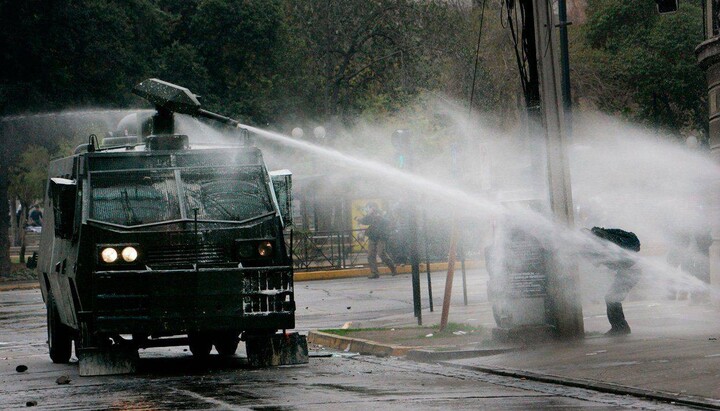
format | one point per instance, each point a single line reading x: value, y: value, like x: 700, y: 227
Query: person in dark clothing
x: 18, y: 215
x: 36, y: 216
x: 626, y: 277
x: 378, y: 232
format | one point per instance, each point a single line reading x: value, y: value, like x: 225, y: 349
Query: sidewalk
x: 18, y: 285
x: 673, y: 354
x: 674, y: 369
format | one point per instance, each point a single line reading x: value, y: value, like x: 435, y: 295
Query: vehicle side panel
x: 57, y: 257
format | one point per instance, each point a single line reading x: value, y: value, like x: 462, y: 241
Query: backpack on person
x: 623, y: 239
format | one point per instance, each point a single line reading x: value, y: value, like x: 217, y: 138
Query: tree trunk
x: 15, y: 222
x: 4, y: 217
x: 21, y: 227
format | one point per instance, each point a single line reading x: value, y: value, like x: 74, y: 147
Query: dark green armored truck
x: 155, y: 242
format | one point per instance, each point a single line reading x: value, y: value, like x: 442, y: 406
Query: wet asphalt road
x: 169, y: 378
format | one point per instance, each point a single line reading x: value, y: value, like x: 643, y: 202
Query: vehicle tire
x: 200, y: 345
x: 59, y: 336
x: 227, y: 344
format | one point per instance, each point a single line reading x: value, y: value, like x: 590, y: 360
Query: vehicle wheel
x: 200, y: 345
x: 227, y: 344
x: 59, y: 336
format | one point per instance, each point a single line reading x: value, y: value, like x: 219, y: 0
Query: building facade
x: 708, y: 54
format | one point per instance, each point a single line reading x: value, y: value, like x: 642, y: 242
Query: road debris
x: 62, y: 380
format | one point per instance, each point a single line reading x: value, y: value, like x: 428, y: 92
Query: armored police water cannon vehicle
x: 152, y: 242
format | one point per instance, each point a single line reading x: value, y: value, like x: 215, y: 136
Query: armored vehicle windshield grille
x: 134, y: 197
x: 226, y: 194
x: 185, y: 255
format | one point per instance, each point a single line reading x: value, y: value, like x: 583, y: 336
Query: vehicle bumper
x: 173, y: 302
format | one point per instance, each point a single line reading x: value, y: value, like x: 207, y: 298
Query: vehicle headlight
x: 109, y: 255
x: 129, y: 254
x: 265, y: 249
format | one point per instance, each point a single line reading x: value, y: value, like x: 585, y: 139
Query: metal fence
x: 348, y: 248
x: 328, y: 249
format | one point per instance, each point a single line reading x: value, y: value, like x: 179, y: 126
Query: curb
x: 431, y: 356
x: 297, y: 276
x: 676, y: 399
x: 19, y: 285
x: 419, y: 354
x: 358, y: 345
x: 365, y: 271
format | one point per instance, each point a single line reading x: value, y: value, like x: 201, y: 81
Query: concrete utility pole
x: 562, y: 280
x: 565, y: 62
x: 708, y: 54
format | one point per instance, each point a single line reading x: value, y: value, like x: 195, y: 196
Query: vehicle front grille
x: 185, y: 254
x: 176, y: 301
x: 267, y: 292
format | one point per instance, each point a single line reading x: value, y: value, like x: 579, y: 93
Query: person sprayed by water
x: 626, y: 277
x: 378, y: 233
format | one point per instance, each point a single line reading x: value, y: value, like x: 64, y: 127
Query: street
x: 169, y: 378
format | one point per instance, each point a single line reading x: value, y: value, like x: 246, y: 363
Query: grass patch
x: 427, y: 336
x: 419, y: 332
x: 452, y: 327
x: 18, y: 272
x: 346, y: 331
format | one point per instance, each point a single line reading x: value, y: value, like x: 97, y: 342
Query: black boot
x: 616, y: 316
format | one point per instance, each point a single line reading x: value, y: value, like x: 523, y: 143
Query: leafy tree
x: 4, y: 202
x: 26, y: 183
x: 242, y: 62
x: 353, y: 49
x: 181, y: 64
x: 633, y: 61
x: 79, y: 53
x: 27, y: 177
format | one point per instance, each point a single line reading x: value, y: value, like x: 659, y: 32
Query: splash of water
x: 616, y: 175
x: 54, y: 128
x: 71, y: 113
x: 410, y: 180
x: 636, y: 160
